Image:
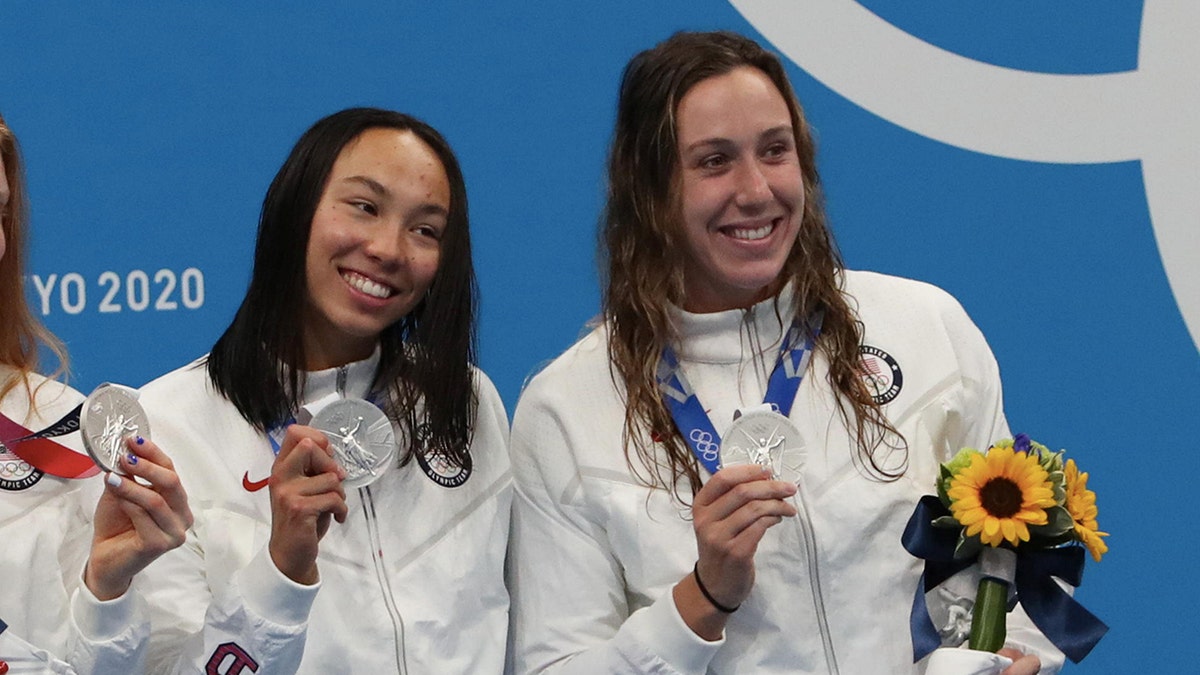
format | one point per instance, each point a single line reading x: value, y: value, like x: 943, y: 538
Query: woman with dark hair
x: 643, y: 543
x: 61, y: 598
x: 362, y: 290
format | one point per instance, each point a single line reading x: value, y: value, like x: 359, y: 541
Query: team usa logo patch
x: 881, y: 374
x: 437, y: 466
x: 15, y: 473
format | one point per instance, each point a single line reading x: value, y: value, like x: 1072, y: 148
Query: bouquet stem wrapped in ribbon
x: 1026, y: 517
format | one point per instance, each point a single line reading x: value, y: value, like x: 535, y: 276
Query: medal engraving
x: 361, y: 436
x: 109, y: 416
x: 767, y: 439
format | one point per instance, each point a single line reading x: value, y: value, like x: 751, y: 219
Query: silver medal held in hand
x: 361, y: 437
x: 111, y: 414
x: 766, y: 438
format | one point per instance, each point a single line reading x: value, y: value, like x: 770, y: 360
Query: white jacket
x: 595, y: 553
x: 54, y: 624
x: 411, y: 582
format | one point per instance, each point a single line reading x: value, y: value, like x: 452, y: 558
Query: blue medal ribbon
x: 1066, y: 623
x: 694, y: 424
x: 276, y: 434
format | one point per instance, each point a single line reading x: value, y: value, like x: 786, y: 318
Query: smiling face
x: 374, y: 245
x: 741, y: 189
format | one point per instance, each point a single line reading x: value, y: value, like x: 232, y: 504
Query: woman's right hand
x: 306, y: 491
x: 135, y: 523
x: 730, y: 514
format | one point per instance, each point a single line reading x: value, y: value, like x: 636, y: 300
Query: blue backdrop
x: 1032, y: 158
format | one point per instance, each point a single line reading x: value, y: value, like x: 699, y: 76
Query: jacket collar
x: 733, y: 335
x: 352, y: 379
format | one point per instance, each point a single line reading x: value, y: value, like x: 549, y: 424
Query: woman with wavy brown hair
x: 716, y: 478
x: 52, y: 509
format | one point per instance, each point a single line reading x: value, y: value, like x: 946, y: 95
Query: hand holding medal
x: 139, y: 518
x: 730, y: 515
x: 306, y: 493
x: 348, y: 443
x: 755, y: 468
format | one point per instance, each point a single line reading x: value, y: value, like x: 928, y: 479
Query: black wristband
x: 708, y: 596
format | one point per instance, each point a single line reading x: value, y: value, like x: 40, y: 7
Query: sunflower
x: 1000, y: 494
x: 1081, y: 503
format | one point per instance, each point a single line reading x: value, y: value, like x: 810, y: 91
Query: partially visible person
x: 55, y: 615
x: 633, y: 549
x: 362, y: 288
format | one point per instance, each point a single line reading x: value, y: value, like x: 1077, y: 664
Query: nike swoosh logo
x: 254, y: 485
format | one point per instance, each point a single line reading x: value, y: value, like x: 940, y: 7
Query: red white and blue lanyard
x: 693, y: 422
x: 46, y: 455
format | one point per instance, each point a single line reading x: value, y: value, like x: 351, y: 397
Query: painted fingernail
x: 112, y: 479
x: 140, y: 440
x: 131, y: 458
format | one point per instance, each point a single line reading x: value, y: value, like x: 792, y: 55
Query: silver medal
x: 765, y: 438
x: 111, y: 414
x: 361, y: 436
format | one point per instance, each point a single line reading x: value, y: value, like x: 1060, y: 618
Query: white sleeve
x: 570, y: 613
x: 982, y: 409
x: 950, y: 661
x: 260, y: 620
x: 108, y: 636
x: 21, y: 658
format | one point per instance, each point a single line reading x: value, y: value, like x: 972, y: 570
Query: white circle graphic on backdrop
x: 1148, y: 114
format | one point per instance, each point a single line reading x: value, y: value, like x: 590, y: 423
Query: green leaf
x: 943, y: 484
x: 942, y: 487
x: 1058, y: 524
x: 1060, y: 520
x: 1054, y: 461
x: 1060, y: 494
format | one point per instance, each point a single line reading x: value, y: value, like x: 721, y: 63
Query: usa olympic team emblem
x: 15, y: 473
x: 437, y: 466
x: 881, y: 374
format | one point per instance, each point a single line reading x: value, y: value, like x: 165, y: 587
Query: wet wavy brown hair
x: 21, y: 333
x: 641, y: 246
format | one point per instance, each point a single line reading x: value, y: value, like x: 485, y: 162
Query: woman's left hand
x: 134, y: 523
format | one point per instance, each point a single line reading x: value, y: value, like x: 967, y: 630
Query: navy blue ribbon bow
x: 1066, y: 623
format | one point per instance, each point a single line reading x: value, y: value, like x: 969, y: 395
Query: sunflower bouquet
x: 1026, y: 516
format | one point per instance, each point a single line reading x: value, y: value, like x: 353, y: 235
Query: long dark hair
x: 641, y: 242
x: 425, y: 367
